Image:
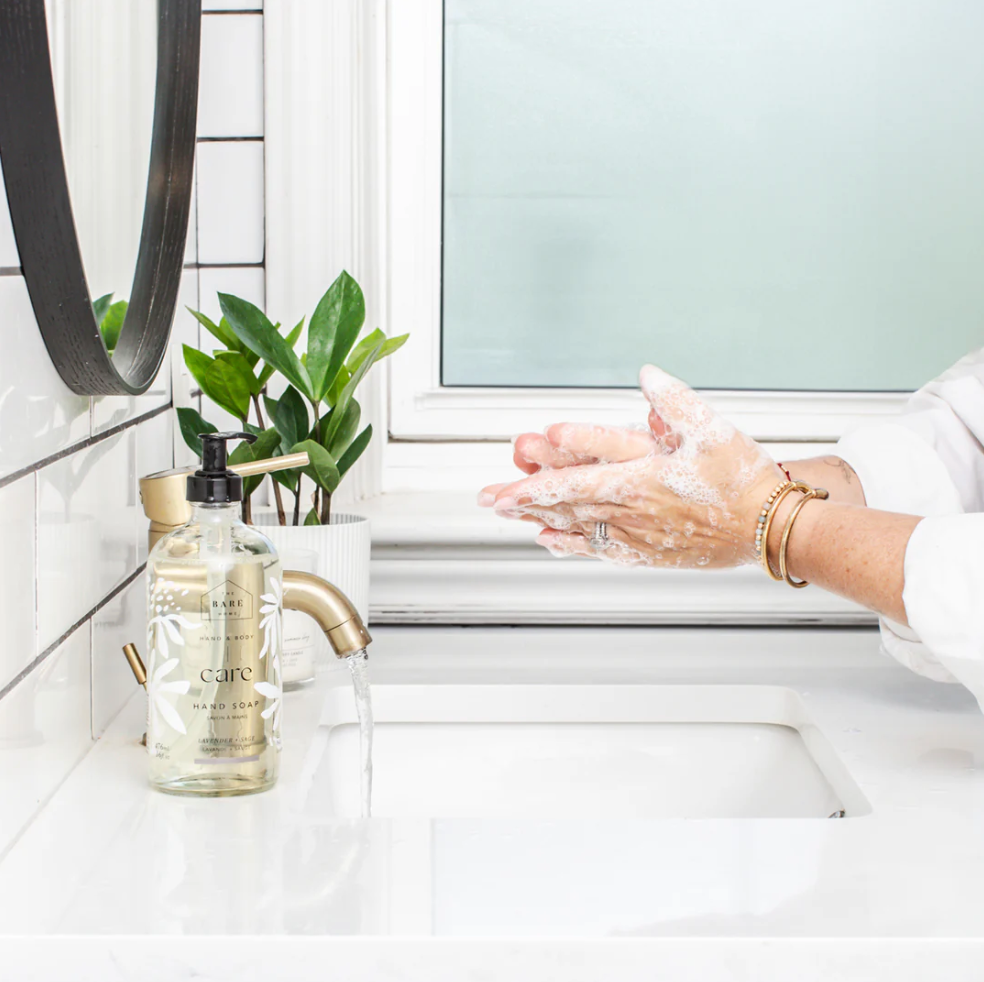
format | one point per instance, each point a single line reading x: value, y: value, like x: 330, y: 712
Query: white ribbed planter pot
x: 342, y: 549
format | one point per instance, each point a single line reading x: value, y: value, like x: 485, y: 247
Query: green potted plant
x: 317, y: 412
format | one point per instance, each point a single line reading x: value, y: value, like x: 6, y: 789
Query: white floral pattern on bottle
x: 160, y: 628
x: 272, y: 611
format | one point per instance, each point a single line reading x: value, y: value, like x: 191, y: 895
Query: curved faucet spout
x: 330, y: 608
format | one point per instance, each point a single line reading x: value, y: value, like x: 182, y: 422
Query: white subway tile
x: 44, y: 732
x: 38, y: 414
x: 122, y: 620
x: 230, y: 89
x: 249, y: 283
x: 230, y: 202
x: 110, y: 411
x: 17, y: 578
x: 191, y: 242
x: 155, y: 452
x: 8, y: 247
x: 87, y: 531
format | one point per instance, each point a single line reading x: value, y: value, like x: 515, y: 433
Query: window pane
x: 766, y: 194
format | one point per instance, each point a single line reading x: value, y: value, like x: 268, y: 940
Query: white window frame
x: 420, y: 408
x: 353, y: 161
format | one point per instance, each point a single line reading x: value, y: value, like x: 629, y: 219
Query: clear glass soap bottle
x: 214, y: 610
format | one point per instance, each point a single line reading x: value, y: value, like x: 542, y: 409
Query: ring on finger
x: 599, y: 539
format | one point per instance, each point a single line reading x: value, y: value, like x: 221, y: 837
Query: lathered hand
x: 686, y: 494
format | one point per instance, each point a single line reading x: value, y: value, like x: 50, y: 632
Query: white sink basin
x: 582, y: 751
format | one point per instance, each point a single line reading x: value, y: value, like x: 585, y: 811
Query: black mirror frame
x: 41, y: 207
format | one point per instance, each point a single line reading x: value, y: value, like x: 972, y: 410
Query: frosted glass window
x: 767, y: 194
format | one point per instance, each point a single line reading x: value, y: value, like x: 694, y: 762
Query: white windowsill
x: 439, y: 558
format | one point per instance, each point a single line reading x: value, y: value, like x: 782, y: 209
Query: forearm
x: 832, y: 473
x: 856, y: 552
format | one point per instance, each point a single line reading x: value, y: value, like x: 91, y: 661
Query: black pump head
x: 215, y: 483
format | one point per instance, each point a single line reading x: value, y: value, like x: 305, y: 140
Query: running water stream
x: 359, y: 667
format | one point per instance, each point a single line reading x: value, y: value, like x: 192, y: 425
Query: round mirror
x: 98, y: 104
x: 103, y: 62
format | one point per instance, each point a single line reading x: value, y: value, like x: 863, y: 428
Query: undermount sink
x: 582, y: 751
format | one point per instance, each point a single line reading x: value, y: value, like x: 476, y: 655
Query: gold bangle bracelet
x: 764, y: 523
x: 814, y: 493
x: 769, y: 510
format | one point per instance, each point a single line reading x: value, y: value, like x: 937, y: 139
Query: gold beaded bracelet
x: 765, y: 523
x: 782, y: 491
x: 820, y: 495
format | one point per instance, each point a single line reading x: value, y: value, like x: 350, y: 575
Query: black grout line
x: 112, y: 595
x: 258, y: 265
x: 11, y: 271
x: 85, y: 444
x: 252, y: 11
x: 229, y: 139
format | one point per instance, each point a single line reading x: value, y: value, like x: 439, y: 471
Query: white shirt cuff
x: 899, y: 471
x: 944, y: 587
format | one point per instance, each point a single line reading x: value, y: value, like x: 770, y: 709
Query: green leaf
x: 312, y: 518
x: 337, y: 387
x: 346, y: 430
x: 335, y: 324
x: 198, y: 364
x: 221, y: 331
x: 112, y: 324
x: 354, y: 452
x: 100, y: 306
x: 291, y: 339
x: 287, y: 478
x: 241, y: 364
x: 338, y: 415
x: 322, y: 469
x: 226, y: 386
x: 290, y: 416
x: 361, y: 351
x: 191, y: 423
x: 254, y: 329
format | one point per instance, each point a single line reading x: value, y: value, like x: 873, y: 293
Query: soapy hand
x: 686, y: 493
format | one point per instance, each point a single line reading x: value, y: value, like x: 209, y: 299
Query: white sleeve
x: 929, y: 461
x: 944, y: 594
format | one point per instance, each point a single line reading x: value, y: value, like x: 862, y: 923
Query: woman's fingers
x: 678, y: 407
x: 609, y: 444
x: 548, y: 488
x: 486, y: 497
x: 619, y: 549
x: 533, y: 451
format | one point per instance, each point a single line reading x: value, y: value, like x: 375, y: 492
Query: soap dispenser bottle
x: 214, y: 602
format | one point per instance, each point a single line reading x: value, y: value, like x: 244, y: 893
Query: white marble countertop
x: 117, y: 881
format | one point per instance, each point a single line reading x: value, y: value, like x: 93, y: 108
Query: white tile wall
x: 230, y: 89
x: 87, y: 531
x: 44, y: 732
x: 247, y: 282
x: 17, y: 577
x: 122, y: 620
x: 38, y: 414
x: 73, y: 525
x: 230, y: 202
x: 191, y: 243
x: 155, y: 452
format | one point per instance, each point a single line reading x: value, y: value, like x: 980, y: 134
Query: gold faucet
x: 165, y: 504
